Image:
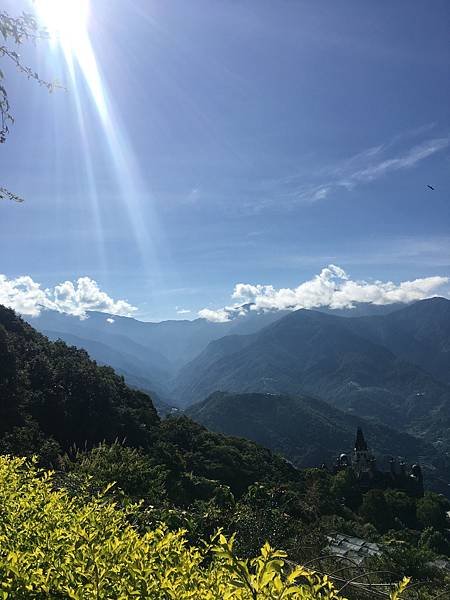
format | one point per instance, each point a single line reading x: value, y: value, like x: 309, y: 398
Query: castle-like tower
x: 362, y: 458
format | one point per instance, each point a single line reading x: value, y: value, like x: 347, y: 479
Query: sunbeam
x: 68, y: 24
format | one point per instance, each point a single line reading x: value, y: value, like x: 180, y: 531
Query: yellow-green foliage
x: 56, y: 546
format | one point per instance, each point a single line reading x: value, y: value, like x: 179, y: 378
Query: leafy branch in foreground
x: 7, y: 195
x: 57, y: 545
x: 15, y: 31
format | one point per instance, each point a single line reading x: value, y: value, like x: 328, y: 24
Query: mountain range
x: 386, y: 364
x: 151, y: 355
x: 148, y: 355
x: 372, y: 367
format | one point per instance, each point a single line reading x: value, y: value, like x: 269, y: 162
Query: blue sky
x: 246, y: 142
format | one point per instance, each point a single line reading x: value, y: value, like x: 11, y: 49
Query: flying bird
x: 431, y: 187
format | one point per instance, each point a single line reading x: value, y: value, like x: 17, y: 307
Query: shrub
x: 53, y: 545
x: 431, y: 511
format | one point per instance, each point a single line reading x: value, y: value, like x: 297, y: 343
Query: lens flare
x: 66, y: 20
x: 68, y: 24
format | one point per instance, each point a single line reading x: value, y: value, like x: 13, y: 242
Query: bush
x: 376, y: 510
x: 55, y: 546
x: 435, y: 541
x: 431, y: 511
x: 130, y: 469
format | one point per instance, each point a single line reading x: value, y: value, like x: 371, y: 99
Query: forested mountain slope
x: 51, y: 391
x: 419, y: 333
x: 310, y: 432
x: 306, y: 430
x: 321, y: 355
x: 342, y: 361
x: 54, y: 397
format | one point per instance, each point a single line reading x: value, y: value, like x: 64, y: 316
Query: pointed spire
x: 360, y: 442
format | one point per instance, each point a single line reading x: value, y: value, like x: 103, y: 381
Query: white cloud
x: 406, y: 161
x: 331, y: 288
x: 182, y: 311
x: 27, y: 297
x: 216, y: 316
x: 109, y: 320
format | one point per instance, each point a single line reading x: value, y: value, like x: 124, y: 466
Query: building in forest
x: 364, y: 466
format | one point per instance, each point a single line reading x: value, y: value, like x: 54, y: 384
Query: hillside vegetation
x: 96, y: 433
x: 56, y: 546
x: 308, y: 431
x: 56, y: 395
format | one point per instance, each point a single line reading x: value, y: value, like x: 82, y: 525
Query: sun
x: 66, y: 21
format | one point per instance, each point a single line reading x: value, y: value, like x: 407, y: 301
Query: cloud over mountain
x: 331, y: 288
x: 27, y: 297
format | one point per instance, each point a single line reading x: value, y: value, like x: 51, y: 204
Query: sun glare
x: 66, y: 21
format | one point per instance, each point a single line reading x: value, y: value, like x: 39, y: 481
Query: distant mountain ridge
x: 392, y: 366
x: 340, y: 360
x: 309, y: 432
x: 385, y: 370
x: 419, y: 333
x: 128, y: 344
